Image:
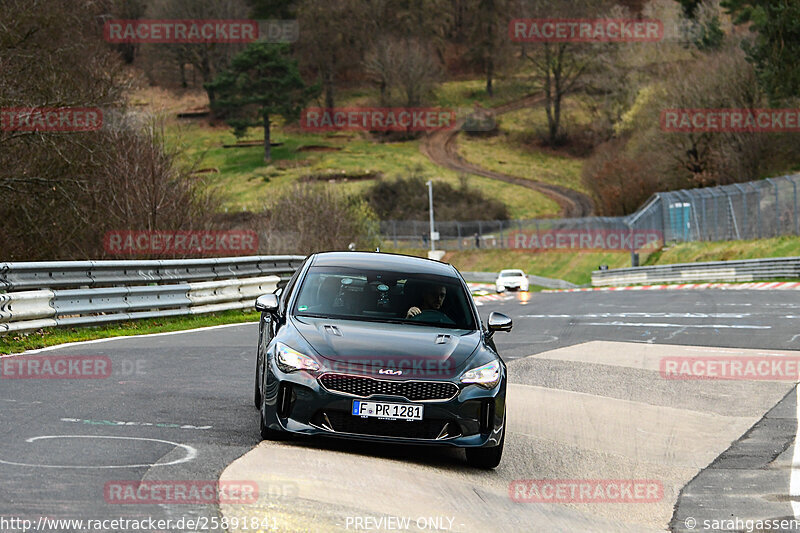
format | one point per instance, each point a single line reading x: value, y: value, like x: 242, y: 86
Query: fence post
x: 701, y: 230
x: 394, y: 230
x: 458, y: 228
x: 777, y: 208
x: 716, y: 215
x: 743, y: 193
x: 758, y: 210
x: 796, y: 221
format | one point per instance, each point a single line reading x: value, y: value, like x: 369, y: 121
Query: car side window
x: 287, y: 291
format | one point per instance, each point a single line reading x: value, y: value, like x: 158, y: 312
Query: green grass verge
x: 512, y: 152
x: 452, y: 94
x: 465, y: 93
x: 19, y: 342
x: 695, y: 252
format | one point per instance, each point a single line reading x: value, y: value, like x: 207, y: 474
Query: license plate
x: 390, y: 411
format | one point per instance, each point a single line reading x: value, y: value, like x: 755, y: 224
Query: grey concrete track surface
x: 589, y: 404
x: 441, y: 148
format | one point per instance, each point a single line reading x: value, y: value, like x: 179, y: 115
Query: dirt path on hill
x: 441, y: 148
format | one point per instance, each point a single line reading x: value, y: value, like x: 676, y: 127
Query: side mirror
x: 267, y: 303
x: 499, y: 322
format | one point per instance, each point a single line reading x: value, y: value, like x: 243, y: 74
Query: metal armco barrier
x: 64, y: 274
x: 71, y: 293
x: 745, y: 270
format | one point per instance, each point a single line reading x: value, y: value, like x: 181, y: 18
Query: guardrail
x: 71, y: 293
x: 743, y: 270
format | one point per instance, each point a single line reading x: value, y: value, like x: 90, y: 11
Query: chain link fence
x: 742, y: 211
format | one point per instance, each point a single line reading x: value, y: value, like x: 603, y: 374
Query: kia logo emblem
x: 390, y: 372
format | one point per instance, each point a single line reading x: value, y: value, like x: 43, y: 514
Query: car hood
x: 369, y: 347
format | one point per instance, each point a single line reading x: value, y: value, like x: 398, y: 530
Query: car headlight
x: 486, y: 376
x: 289, y: 360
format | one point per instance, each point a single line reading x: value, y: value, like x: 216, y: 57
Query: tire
x: 257, y: 391
x: 486, y: 458
x: 266, y: 432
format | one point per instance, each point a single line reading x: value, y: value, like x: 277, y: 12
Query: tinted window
x: 417, y: 299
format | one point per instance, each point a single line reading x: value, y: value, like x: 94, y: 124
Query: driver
x: 432, y: 299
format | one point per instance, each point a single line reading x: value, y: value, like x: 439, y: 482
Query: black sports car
x: 381, y: 347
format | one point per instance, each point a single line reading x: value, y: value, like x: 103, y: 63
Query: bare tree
x: 404, y: 66
x: 331, y: 40
x: 206, y: 59
x: 488, y: 37
x: 563, y: 67
x: 59, y: 191
x: 314, y: 218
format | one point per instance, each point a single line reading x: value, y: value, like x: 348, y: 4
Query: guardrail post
x: 394, y: 231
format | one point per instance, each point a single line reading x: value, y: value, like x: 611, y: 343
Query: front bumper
x: 514, y: 287
x: 296, y: 402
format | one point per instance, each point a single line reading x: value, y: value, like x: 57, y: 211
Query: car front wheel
x: 486, y: 458
x: 268, y: 433
x: 257, y: 390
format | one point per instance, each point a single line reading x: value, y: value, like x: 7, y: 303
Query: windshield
x: 511, y: 274
x: 384, y: 296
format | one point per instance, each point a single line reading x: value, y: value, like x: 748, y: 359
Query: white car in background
x: 511, y: 280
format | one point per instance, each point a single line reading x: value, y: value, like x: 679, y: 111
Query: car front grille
x: 364, y: 387
x: 430, y: 429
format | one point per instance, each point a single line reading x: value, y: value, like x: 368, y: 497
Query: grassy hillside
x: 249, y: 183
x: 513, y: 152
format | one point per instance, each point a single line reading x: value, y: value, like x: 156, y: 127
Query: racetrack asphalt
x: 590, y: 404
